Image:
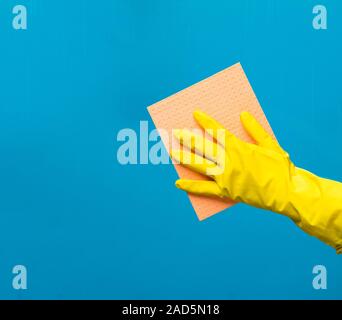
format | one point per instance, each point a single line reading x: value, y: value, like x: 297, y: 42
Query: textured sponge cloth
x: 223, y: 96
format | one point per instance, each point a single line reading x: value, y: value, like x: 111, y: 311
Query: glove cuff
x: 318, y: 204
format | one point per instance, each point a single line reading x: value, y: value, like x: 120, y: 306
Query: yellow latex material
x: 261, y: 175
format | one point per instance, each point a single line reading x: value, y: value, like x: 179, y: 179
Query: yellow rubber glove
x: 261, y: 175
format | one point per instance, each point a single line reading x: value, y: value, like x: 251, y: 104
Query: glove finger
x: 198, y: 187
x: 195, y: 162
x: 202, y: 146
x: 258, y: 133
x: 212, y: 127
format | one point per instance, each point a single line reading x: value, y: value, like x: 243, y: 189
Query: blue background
x: 87, y: 227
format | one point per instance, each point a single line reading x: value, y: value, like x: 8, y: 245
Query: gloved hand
x: 261, y: 175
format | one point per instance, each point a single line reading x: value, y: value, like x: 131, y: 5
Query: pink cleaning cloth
x: 222, y: 96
